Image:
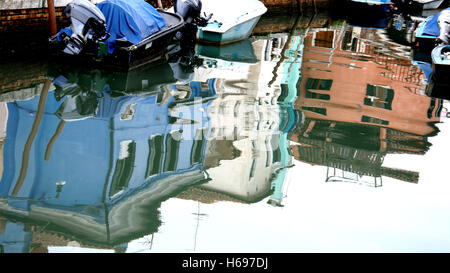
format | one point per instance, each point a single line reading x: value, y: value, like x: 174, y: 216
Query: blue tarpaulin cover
x: 131, y: 20
x: 432, y: 28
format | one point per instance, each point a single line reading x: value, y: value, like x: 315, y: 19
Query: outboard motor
x: 444, y: 27
x: 190, y: 10
x: 88, y: 25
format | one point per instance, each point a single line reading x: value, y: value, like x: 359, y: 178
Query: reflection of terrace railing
x: 399, y: 69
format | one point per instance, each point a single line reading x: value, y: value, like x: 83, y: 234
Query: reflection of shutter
x: 318, y: 110
x: 197, y: 147
x: 172, y: 149
x: 124, y: 167
x: 318, y: 84
x: 382, y: 97
x: 314, y: 95
x: 374, y: 120
x: 284, y: 92
x: 155, y: 155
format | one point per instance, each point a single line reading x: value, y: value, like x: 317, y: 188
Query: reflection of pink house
x: 347, y: 78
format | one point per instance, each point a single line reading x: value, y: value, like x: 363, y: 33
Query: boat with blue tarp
x: 117, y: 34
x: 428, y: 31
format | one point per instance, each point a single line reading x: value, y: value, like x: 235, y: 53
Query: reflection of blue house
x: 105, y: 175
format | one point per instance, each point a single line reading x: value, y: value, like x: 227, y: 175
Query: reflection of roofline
x: 124, y: 220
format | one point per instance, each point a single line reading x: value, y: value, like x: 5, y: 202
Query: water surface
x: 310, y: 140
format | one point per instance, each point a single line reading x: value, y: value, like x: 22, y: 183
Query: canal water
x: 316, y: 139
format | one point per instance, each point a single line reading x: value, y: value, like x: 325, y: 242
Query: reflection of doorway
x: 324, y: 39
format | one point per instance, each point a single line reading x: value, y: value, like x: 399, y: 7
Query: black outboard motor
x: 88, y: 26
x: 190, y: 10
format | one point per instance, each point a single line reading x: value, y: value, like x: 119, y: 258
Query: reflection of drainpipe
x: 31, y: 136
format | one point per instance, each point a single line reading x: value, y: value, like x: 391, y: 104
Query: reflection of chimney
x: 399, y: 174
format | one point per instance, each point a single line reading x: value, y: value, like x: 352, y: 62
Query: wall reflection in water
x: 90, y: 155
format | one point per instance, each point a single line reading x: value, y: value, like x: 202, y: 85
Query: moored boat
x: 427, y: 4
x: 425, y: 35
x: 231, y: 21
x: 116, y: 34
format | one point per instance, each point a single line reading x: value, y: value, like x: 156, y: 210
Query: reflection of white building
x: 245, y: 117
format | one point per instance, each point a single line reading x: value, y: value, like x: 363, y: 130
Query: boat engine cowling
x: 190, y: 10
x: 88, y: 25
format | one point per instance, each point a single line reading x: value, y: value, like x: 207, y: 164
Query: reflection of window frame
x: 155, y: 155
x: 379, y: 96
x: 124, y: 167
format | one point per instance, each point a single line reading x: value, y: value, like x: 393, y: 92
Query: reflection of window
x: 128, y: 113
x: 378, y: 96
x: 124, y: 167
x: 314, y: 95
x: 197, y: 147
x: 172, y: 149
x: 155, y: 155
x: 318, y: 84
x: 324, y: 39
x: 318, y: 110
x: 374, y: 120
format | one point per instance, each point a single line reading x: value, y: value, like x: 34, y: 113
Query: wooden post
x: 31, y: 136
x: 51, y: 16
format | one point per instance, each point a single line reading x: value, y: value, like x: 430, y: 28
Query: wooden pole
x: 51, y: 16
x: 31, y: 136
x: 58, y: 132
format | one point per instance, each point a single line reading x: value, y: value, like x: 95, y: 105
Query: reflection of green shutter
x: 318, y: 84
x: 325, y: 84
x: 318, y: 110
x: 384, y: 96
x: 172, y: 148
x: 155, y: 155
x: 284, y: 92
x: 197, y: 147
x: 123, y: 171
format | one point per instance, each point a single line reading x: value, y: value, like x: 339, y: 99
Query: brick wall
x: 28, y: 19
